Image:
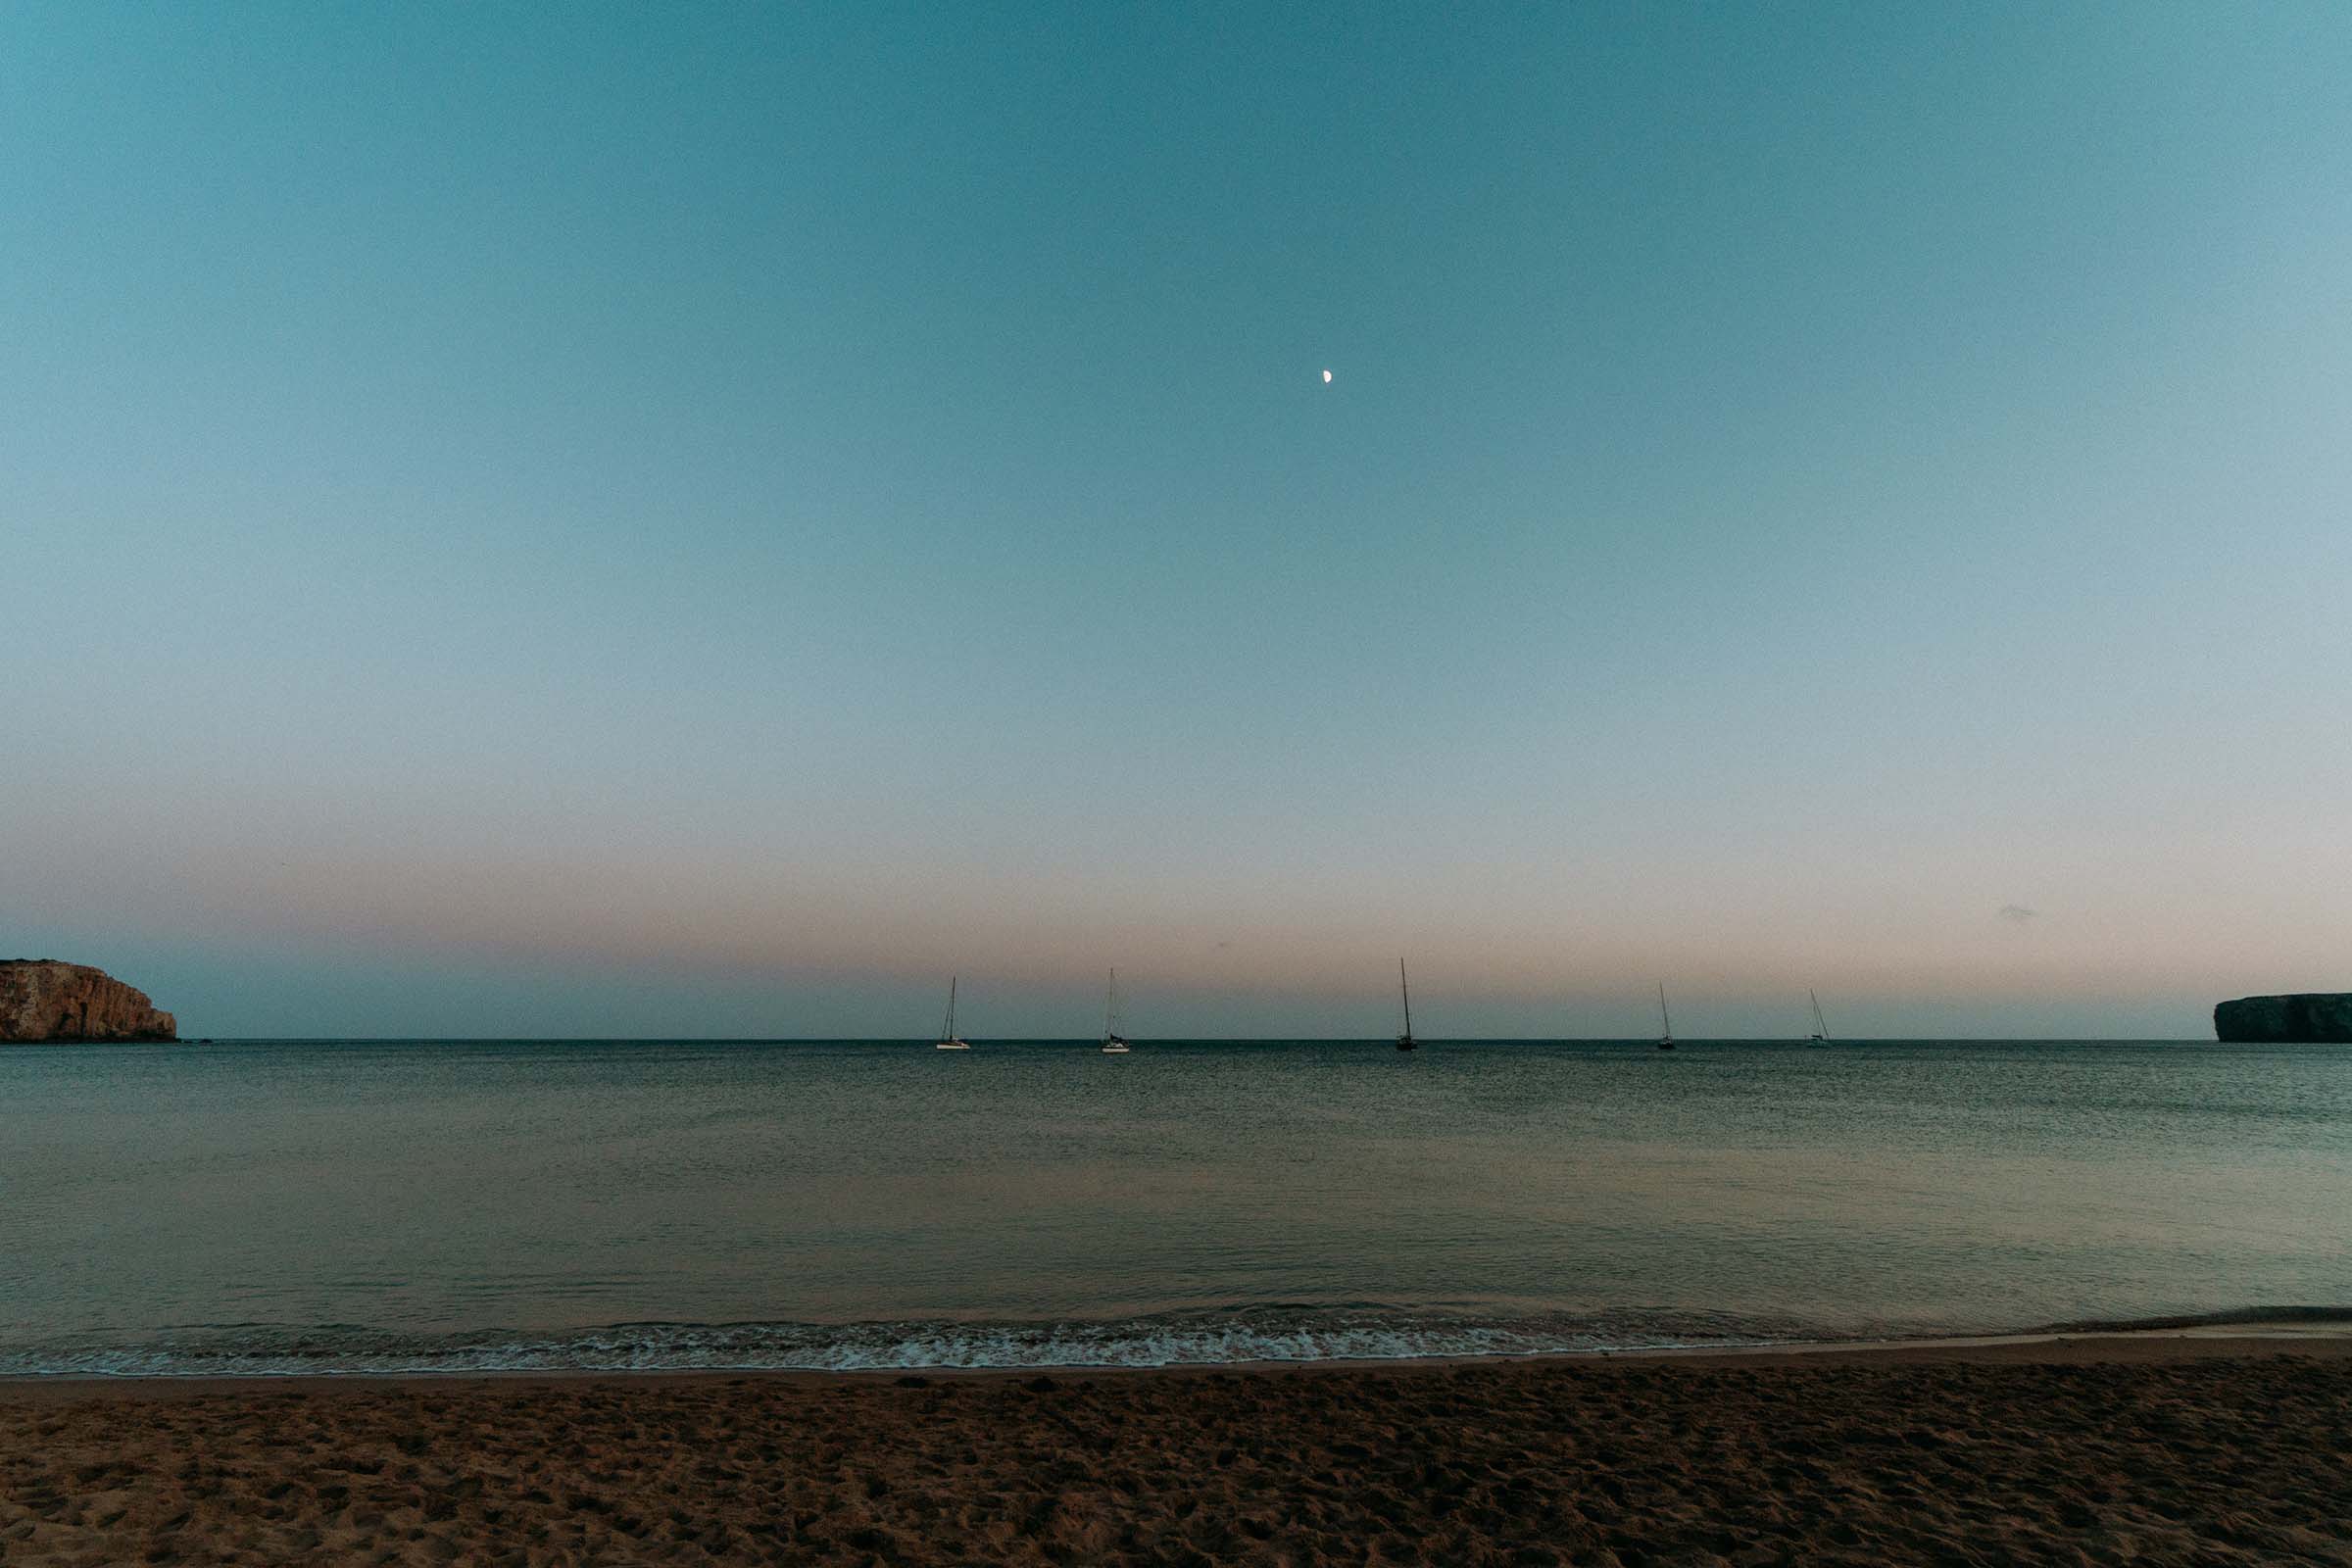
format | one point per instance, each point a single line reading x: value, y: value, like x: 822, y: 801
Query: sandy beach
x: 2171, y: 1447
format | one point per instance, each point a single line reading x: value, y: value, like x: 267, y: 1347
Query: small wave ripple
x: 1201, y: 1339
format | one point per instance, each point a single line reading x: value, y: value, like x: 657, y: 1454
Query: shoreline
x: 2165, y: 1448
x: 2328, y: 1336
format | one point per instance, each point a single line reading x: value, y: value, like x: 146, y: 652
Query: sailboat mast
x: 1819, y: 1027
x: 1111, y: 1000
x: 1665, y: 1023
x: 1408, y: 998
x: 947, y: 1031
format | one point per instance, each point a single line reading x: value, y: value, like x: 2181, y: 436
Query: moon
x: 1327, y: 378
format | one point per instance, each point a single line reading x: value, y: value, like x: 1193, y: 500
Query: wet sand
x: 2149, y: 1448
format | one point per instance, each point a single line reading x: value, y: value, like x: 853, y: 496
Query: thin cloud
x: 2018, y: 913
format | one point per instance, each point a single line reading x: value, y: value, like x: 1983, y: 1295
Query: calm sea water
x: 356, y: 1206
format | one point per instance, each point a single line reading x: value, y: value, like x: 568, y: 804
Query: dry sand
x: 2146, y: 1449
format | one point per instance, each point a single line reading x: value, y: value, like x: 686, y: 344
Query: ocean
x: 308, y: 1207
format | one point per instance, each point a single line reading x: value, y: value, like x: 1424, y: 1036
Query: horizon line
x: 1168, y: 1039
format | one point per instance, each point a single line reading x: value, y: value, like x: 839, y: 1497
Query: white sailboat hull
x: 949, y: 1039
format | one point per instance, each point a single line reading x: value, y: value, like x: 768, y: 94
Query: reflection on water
x: 424, y: 1199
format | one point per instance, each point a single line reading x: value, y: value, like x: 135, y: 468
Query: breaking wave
x: 1230, y: 1337
x: 1233, y: 1337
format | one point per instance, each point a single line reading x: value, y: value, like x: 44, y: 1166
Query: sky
x: 708, y: 520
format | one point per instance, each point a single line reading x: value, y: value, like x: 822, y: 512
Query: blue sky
x: 635, y: 521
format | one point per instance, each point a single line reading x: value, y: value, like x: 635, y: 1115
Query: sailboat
x: 1114, y: 1043
x: 1405, y: 1041
x: 948, y: 1039
x: 1821, y: 1030
x: 1665, y: 1024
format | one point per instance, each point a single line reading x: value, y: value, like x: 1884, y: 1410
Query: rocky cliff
x: 2313, y: 1015
x: 41, y: 999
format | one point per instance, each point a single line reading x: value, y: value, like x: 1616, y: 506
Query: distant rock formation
x: 2319, y: 1016
x: 41, y: 999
